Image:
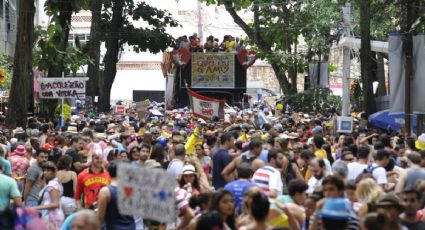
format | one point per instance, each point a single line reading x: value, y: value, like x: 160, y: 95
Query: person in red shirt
x: 91, y: 180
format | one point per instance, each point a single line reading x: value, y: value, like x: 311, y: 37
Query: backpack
x: 248, y: 160
x: 367, y: 173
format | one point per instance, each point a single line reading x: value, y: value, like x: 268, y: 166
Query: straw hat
x: 71, y: 129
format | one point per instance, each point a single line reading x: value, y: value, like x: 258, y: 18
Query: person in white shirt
x: 268, y: 178
x: 379, y: 173
x: 357, y: 167
x: 317, y: 167
x: 176, y: 164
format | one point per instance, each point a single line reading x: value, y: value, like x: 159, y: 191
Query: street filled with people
x: 251, y: 169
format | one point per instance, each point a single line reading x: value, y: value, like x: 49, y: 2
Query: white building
x: 8, y: 26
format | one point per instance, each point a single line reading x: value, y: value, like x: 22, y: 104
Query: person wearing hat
x: 189, y: 180
x: 390, y: 204
x: 334, y: 214
x: 20, y: 164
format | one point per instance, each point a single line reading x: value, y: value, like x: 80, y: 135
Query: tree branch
x: 248, y: 30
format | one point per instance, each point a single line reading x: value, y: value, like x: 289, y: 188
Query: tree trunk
x: 380, y: 75
x: 111, y: 56
x: 93, y: 86
x: 20, y: 89
x: 261, y: 43
x: 65, y: 15
x: 65, y: 12
x: 282, y: 79
x: 366, y: 58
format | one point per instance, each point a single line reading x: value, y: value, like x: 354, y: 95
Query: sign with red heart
x: 181, y: 57
x: 246, y: 58
x: 128, y: 191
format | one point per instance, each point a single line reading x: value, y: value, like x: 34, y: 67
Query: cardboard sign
x: 142, y: 108
x: 344, y: 124
x: 68, y: 87
x: 213, y: 70
x: 148, y: 193
x: 120, y: 109
x: 205, y: 107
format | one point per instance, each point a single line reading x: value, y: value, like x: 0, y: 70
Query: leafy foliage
x: 278, y: 26
x: 149, y: 37
x: 47, y: 54
x: 66, y: 111
x: 317, y: 99
x: 6, y: 72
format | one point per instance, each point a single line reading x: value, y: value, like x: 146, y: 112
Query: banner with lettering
x: 68, y: 87
x: 213, y: 70
x: 205, y: 107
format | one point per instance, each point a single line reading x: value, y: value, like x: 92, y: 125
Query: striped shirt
x: 268, y: 178
x: 182, y: 200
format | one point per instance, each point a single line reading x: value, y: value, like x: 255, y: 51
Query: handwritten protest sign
x: 148, y: 193
x: 142, y: 108
x: 205, y: 107
x: 213, y: 70
x: 68, y: 87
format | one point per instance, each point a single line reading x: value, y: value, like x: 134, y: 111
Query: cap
x: 188, y: 169
x: 334, y: 209
x: 390, y: 200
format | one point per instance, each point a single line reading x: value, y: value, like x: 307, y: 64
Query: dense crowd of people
x: 212, y: 44
x: 245, y: 171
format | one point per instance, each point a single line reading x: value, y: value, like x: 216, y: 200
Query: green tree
x: 317, y: 99
x: 276, y: 28
x: 118, y: 30
x: 55, y: 52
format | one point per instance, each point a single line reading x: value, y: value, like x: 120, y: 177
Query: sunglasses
x: 348, y: 159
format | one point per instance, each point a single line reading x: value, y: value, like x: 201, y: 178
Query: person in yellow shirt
x: 230, y: 44
x: 317, y: 144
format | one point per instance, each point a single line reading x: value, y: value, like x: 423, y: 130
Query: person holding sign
x: 108, y: 212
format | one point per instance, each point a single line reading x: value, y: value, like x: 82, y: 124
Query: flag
x: 192, y: 141
x: 396, y: 72
x: 418, y: 92
x: 205, y: 107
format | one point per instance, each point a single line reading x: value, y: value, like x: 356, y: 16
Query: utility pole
x: 408, y: 50
x: 346, y: 10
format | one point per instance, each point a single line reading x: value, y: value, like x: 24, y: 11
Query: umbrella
x: 383, y: 119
